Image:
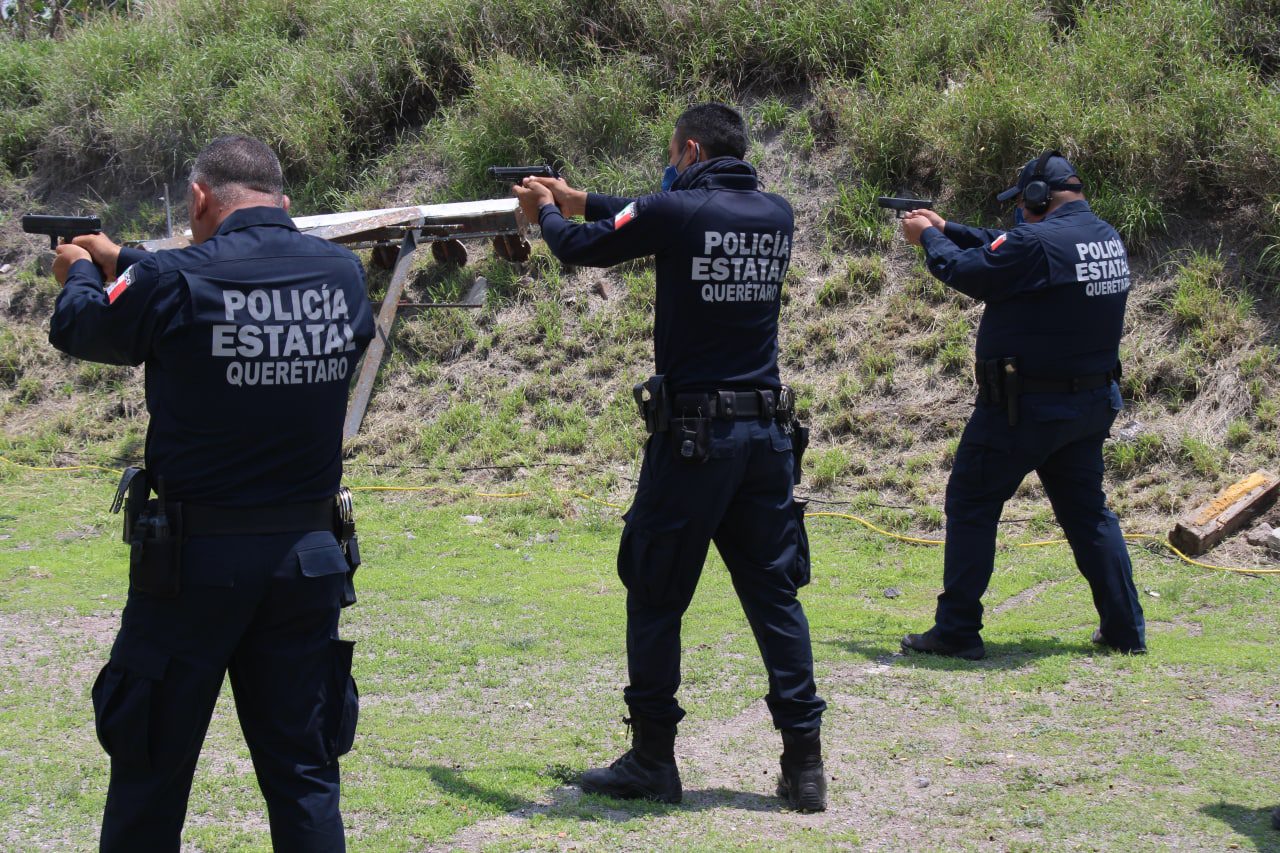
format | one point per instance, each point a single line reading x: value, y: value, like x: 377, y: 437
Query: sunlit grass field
x: 490, y: 663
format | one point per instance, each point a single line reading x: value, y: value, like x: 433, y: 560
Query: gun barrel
x: 895, y: 203
x: 902, y: 206
x: 65, y: 227
x: 516, y: 174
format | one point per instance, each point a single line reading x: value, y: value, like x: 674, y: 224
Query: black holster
x: 651, y: 399
x: 153, y: 532
x: 999, y: 384
x: 799, y: 443
x: 131, y: 497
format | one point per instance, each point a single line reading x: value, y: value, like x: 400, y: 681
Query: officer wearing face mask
x: 1048, y: 357
x: 721, y: 458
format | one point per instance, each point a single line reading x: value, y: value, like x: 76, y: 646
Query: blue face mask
x: 1018, y: 218
x: 669, y: 176
x: 671, y: 173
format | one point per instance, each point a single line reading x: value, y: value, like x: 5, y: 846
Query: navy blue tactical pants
x: 740, y: 498
x: 1059, y: 436
x: 264, y: 608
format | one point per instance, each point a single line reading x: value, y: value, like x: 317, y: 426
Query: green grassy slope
x: 1162, y: 101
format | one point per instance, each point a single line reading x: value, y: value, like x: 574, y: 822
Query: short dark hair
x: 231, y: 162
x: 719, y: 129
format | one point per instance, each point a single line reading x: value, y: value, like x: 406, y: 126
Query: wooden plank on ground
x: 1233, y: 508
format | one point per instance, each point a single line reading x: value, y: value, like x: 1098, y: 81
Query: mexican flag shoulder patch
x: 624, y: 216
x: 117, y: 288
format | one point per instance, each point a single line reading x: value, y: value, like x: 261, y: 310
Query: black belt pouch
x: 155, y: 552
x: 691, y: 438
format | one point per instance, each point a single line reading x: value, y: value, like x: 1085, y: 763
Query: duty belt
x: 729, y: 405
x: 199, y: 520
x: 1001, y: 382
x: 1032, y: 385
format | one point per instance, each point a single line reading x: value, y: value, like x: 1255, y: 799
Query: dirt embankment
x: 879, y: 350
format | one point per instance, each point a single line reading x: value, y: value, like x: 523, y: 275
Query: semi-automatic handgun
x: 903, y: 206
x: 516, y: 174
x: 66, y: 227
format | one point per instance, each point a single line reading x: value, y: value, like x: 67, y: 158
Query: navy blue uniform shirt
x: 1055, y: 290
x: 249, y: 341
x: 721, y: 248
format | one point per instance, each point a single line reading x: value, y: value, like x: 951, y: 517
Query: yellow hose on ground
x: 914, y: 540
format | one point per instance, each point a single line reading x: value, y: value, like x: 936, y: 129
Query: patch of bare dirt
x: 906, y: 770
x: 1029, y: 594
x: 56, y: 650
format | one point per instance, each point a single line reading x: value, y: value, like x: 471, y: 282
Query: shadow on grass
x: 887, y: 651
x: 696, y: 800
x: 569, y: 801
x: 456, y: 784
x: 1253, y: 824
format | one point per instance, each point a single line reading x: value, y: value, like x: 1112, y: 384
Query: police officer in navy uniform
x: 719, y: 464
x: 1047, y: 363
x: 248, y: 338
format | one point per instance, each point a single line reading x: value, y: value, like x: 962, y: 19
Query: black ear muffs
x: 1037, y: 194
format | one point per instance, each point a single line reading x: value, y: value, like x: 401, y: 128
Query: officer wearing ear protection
x: 719, y: 464
x: 1055, y: 289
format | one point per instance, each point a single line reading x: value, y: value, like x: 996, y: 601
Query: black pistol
x: 903, y: 206
x: 516, y: 174
x: 66, y: 227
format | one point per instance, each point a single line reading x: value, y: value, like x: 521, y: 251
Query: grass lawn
x: 490, y: 661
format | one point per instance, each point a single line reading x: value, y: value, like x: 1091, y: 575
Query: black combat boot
x: 929, y: 644
x: 1099, y: 640
x: 802, y: 783
x: 646, y: 771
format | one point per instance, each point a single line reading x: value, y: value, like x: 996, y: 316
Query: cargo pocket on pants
x: 123, y: 698
x: 800, y: 569
x: 342, y: 704
x: 649, y: 564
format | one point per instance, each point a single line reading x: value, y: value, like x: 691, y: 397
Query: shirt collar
x: 720, y: 173
x: 1070, y: 207
x: 249, y: 217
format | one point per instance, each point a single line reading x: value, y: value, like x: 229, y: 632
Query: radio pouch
x: 155, y: 550
x: 691, y: 438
